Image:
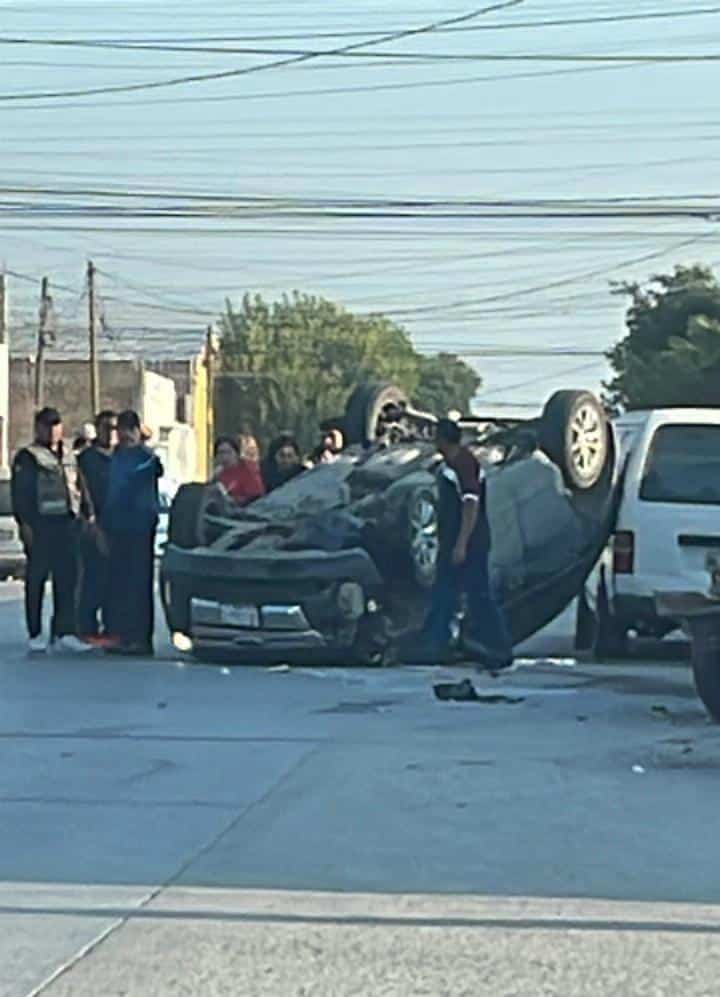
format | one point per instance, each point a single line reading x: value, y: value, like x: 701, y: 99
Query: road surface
x: 172, y: 829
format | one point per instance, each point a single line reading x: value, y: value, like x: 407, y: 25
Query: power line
x: 276, y: 64
x: 195, y: 44
x: 564, y: 282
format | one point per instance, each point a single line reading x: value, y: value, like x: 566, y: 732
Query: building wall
x: 4, y: 406
x: 190, y: 379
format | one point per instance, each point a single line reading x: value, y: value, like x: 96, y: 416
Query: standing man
x: 463, y: 558
x: 129, y: 518
x: 46, y: 502
x: 94, y: 465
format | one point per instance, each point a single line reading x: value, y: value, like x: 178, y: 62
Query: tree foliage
x: 671, y: 353
x: 446, y: 382
x: 290, y: 364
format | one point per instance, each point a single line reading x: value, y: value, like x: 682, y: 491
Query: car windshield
x: 683, y: 465
x: 5, y: 499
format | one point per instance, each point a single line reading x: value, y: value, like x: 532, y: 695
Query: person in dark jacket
x: 129, y: 520
x: 283, y: 462
x: 463, y: 559
x: 46, y: 500
x: 94, y: 466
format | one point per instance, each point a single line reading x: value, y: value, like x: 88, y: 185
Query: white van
x: 668, y: 520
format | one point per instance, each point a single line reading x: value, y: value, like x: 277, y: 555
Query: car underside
x: 337, y: 565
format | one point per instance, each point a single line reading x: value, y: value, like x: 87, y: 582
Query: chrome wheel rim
x: 587, y: 442
x: 424, y: 535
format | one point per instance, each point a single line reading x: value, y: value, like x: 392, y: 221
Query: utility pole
x: 92, y: 331
x: 45, y: 339
x: 210, y: 388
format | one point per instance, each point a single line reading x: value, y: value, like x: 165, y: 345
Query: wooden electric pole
x: 92, y: 333
x: 210, y: 387
x: 44, y: 339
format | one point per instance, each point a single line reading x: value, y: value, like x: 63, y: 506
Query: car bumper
x: 278, y: 606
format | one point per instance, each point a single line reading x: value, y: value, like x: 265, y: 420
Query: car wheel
x: 365, y: 408
x: 574, y: 435
x: 186, y: 513
x: 610, y: 635
x: 423, y: 540
x: 706, y: 664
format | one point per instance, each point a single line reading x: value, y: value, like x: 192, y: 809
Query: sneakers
x: 72, y: 644
x: 37, y: 645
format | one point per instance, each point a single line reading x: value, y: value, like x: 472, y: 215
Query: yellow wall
x: 200, y: 418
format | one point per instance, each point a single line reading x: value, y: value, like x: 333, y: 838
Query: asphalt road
x: 173, y: 829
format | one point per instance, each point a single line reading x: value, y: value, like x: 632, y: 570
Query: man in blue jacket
x: 129, y: 520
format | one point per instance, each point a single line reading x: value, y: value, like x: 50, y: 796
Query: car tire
x: 611, y: 639
x: 574, y: 434
x: 706, y: 664
x: 185, y: 520
x: 364, y: 408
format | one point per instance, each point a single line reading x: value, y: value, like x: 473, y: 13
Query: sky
x: 298, y: 176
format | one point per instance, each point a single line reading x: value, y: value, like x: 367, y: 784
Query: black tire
x: 574, y: 435
x: 610, y: 635
x: 706, y: 664
x: 185, y: 520
x: 585, y: 624
x: 364, y: 408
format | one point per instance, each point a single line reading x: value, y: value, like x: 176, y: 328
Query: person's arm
x: 471, y: 488
x: 87, y: 506
x: 23, y: 490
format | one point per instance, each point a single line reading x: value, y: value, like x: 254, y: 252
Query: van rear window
x: 683, y: 465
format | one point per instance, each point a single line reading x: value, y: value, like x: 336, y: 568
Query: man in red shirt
x: 463, y: 556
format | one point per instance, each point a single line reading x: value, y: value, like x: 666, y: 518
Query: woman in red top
x: 240, y: 478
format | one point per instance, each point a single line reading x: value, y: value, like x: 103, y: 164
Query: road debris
x: 465, y: 692
x: 638, y: 770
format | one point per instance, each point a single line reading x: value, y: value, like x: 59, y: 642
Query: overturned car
x: 337, y: 564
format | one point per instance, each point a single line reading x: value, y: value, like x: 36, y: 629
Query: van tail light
x: 624, y: 552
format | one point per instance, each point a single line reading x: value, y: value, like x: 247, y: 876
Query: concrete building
x: 163, y: 401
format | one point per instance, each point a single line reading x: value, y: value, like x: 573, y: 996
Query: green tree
x: 292, y: 363
x: 671, y: 353
x: 446, y: 383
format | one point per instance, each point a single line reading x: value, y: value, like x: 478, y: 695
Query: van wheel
x: 610, y: 635
x: 706, y: 664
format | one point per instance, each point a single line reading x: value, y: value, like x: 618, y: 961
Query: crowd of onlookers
x: 88, y: 515
x: 245, y: 475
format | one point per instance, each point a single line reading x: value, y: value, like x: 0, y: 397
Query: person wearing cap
x: 129, y: 520
x: 94, y: 466
x: 47, y: 500
x: 463, y: 558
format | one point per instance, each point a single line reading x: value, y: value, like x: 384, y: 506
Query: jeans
x: 52, y: 554
x: 484, y: 620
x: 93, y: 587
x: 131, y: 609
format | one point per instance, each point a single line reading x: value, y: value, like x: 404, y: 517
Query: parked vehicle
x: 668, y: 521
x: 698, y: 611
x: 338, y: 563
x: 12, y: 553
x: 166, y: 493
